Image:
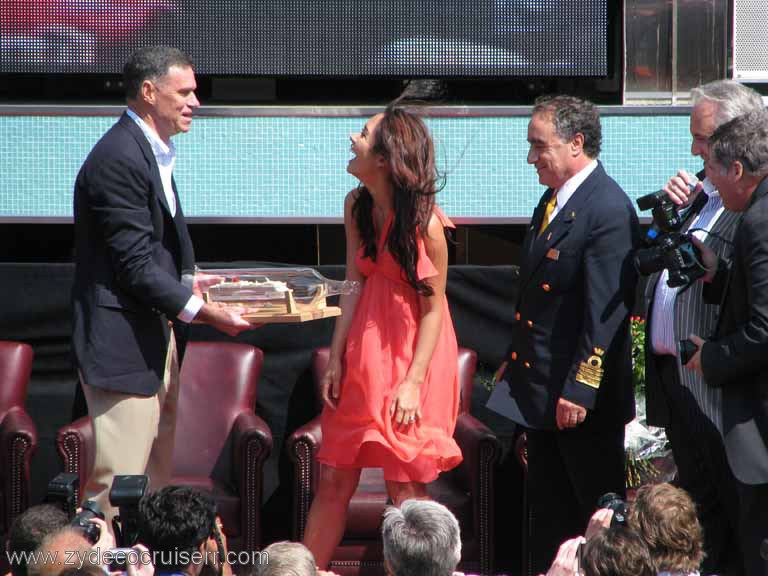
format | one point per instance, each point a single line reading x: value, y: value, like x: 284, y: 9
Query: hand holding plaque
x: 264, y: 295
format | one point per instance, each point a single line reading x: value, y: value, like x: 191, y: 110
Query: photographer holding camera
x: 28, y: 531
x: 662, y: 516
x: 665, y: 518
x: 180, y: 527
x: 679, y: 400
x: 74, y: 545
x: 735, y: 359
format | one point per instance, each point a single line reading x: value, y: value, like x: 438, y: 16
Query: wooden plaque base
x: 298, y: 316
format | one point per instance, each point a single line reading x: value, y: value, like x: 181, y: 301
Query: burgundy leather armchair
x: 221, y: 444
x: 466, y: 490
x: 18, y: 435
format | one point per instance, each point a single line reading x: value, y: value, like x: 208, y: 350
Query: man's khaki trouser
x: 132, y: 434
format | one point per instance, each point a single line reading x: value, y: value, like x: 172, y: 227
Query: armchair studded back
x: 221, y: 444
x: 18, y: 435
x: 218, y: 383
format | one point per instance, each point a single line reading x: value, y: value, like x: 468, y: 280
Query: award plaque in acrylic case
x: 265, y: 295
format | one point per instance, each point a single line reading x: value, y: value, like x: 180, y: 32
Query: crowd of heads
x: 661, y: 533
x: 421, y: 537
x: 174, y: 523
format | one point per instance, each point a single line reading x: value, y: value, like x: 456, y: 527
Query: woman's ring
x: 412, y: 419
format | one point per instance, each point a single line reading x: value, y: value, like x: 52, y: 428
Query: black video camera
x: 666, y: 246
x: 613, y: 501
x: 62, y: 491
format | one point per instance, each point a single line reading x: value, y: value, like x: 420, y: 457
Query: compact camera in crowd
x: 666, y: 246
x: 613, y: 501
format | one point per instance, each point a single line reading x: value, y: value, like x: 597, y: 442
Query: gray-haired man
x: 734, y: 359
x: 678, y: 400
x: 422, y: 538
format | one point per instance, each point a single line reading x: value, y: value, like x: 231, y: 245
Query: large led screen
x: 344, y: 38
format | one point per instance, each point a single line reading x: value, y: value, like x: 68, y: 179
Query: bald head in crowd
x: 28, y: 531
x: 60, y: 551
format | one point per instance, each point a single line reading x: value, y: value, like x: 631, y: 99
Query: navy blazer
x: 571, y: 332
x: 737, y: 358
x: 129, y: 256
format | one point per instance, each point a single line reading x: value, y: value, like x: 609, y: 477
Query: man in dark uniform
x: 568, y: 366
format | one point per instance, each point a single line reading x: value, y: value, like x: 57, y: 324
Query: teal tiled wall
x: 294, y: 167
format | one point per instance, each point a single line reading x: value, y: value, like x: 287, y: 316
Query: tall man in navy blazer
x: 568, y: 366
x: 131, y: 248
x: 735, y: 359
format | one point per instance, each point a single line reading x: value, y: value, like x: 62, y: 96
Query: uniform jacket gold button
x: 546, y: 287
x: 530, y: 324
x: 527, y: 364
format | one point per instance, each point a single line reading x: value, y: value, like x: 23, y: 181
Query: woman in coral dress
x: 391, y: 388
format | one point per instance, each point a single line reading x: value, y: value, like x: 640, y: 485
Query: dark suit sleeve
x: 120, y: 199
x: 712, y: 292
x: 745, y: 351
x: 608, y: 299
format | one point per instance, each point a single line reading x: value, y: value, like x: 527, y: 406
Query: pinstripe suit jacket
x: 692, y: 315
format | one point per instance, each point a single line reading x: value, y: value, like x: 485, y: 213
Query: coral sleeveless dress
x: 381, y: 341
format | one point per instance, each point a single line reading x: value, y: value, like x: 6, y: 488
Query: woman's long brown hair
x: 403, y: 140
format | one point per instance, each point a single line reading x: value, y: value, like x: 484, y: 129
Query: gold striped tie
x: 548, y: 212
